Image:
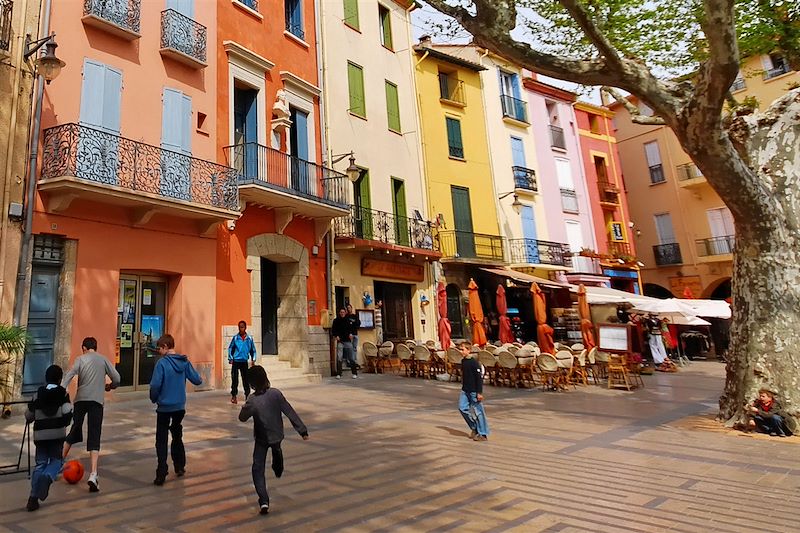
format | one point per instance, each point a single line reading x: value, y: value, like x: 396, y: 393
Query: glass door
x: 141, y: 320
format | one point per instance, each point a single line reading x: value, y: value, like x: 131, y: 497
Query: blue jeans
x: 344, y: 350
x: 259, y: 467
x: 467, y: 404
x: 772, y: 424
x: 48, y: 464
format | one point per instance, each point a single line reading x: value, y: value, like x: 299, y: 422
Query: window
x: 454, y: 144
x: 645, y: 110
x: 401, y: 221
x: 664, y: 229
x: 100, y: 96
x: 355, y: 82
x: 392, y: 107
x: 451, y: 88
x: 720, y: 220
x: 510, y: 96
x: 385, y: 20
x: 600, y: 169
x: 351, y: 13
x: 252, y: 4
x: 774, y: 65
x: 594, y: 123
x: 564, y: 173
x: 294, y: 18
x: 654, y: 162
x: 738, y: 83
x: 176, y: 121
x: 574, y: 236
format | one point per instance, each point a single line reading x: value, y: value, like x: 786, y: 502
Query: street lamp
x: 47, y: 65
x: 352, y: 171
x: 516, y: 205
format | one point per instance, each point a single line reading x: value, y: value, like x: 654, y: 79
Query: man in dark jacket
x: 768, y: 415
x: 471, y: 398
x: 342, y: 331
x: 51, y: 413
x: 168, y: 391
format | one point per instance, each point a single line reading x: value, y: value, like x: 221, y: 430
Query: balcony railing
x: 777, y: 70
x: 103, y: 158
x: 539, y: 252
x: 514, y: 108
x: 261, y: 165
x: 668, y: 254
x: 6, y: 11
x: 657, y: 174
x: 467, y: 245
x: 618, y: 249
x: 125, y: 14
x: 689, y: 171
x: 524, y: 178
x: 183, y: 35
x: 451, y: 89
x: 384, y: 227
x: 586, y: 265
x: 609, y: 192
x: 715, y: 246
x: 557, y: 139
x: 569, y: 201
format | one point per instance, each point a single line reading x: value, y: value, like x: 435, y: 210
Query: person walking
x: 168, y: 392
x: 50, y: 412
x: 91, y: 368
x: 355, y: 324
x: 266, y: 407
x: 240, y: 350
x: 342, y: 331
x: 471, y: 398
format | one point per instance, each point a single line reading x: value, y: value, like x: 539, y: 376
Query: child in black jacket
x: 51, y: 413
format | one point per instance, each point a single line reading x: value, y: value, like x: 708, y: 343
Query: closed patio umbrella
x: 544, y: 333
x: 587, y: 329
x: 505, y: 333
x: 444, y: 323
x: 476, y: 314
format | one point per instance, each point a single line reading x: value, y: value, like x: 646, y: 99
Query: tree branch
x: 603, y: 45
x: 633, y: 111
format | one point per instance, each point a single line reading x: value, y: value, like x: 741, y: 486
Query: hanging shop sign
x: 388, y: 269
x: 617, y: 232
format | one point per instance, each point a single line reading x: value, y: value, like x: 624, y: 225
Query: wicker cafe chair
x: 412, y: 345
x: 566, y: 361
x: 386, y: 356
x: 438, y: 361
x: 526, y: 366
x: 370, y: 351
x: 601, y: 366
x: 507, y: 369
x: 491, y: 348
x: 579, y: 368
x: 577, y: 347
x: 618, y: 376
x: 453, y: 359
x: 431, y: 344
x: 513, y: 349
x: 591, y: 366
x: 552, y: 374
x: 489, y: 362
x: 635, y: 373
x: 406, y: 359
x: 422, y: 358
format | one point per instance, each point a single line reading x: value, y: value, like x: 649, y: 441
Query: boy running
x: 471, y: 398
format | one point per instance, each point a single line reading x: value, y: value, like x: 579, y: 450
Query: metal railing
x: 373, y: 225
x: 514, y: 108
x: 261, y: 165
x: 557, y: 139
x: 123, y: 13
x: 451, y: 89
x: 293, y: 26
x: 524, y: 178
x: 657, y: 174
x: 539, y: 252
x: 6, y: 13
x: 738, y: 84
x: 777, y: 70
x: 667, y: 254
x: 468, y: 245
x: 609, y: 192
x: 100, y: 157
x: 688, y: 171
x: 716, y: 245
x: 569, y: 201
x: 179, y: 32
x: 618, y: 249
x: 582, y: 264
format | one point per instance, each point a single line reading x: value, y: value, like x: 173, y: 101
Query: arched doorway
x: 719, y: 290
x: 657, y: 291
x: 454, y: 313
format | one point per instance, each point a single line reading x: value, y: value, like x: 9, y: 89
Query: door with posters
x: 141, y: 320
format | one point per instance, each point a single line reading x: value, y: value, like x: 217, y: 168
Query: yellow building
x: 683, y: 232
x: 461, y: 195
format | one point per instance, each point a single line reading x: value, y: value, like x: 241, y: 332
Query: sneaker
x: 234, y: 400
x: 33, y: 504
x: 94, y: 484
x: 264, y: 509
x: 355, y: 376
x: 480, y: 438
x: 159, y: 480
x: 473, y: 434
x: 338, y: 376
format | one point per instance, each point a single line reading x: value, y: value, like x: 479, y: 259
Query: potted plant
x: 12, y: 345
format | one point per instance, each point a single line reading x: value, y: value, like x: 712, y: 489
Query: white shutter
x: 766, y: 62
x: 727, y: 219
x: 720, y: 221
x: 574, y: 236
x: 652, y: 153
x: 664, y: 229
x: 564, y: 173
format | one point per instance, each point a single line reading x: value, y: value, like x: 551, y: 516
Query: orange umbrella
x: 476, y: 314
x: 444, y: 327
x: 505, y: 334
x: 587, y: 329
x: 544, y: 333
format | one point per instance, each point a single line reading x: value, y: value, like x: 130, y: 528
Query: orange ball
x: 73, y: 472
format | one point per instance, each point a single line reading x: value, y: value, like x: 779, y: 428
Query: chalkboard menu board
x: 614, y: 337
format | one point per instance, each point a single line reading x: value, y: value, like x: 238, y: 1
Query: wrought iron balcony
x: 388, y: 228
x: 657, y: 174
x: 455, y: 244
x: 6, y: 12
x: 82, y: 161
x: 118, y: 17
x: 524, y: 178
x: 667, y: 254
x: 183, y: 39
x: 451, y: 89
x: 619, y: 249
x: 609, y: 193
x: 539, y: 252
x: 779, y: 69
x: 514, y: 108
x: 715, y: 246
x: 557, y: 139
x: 276, y: 179
x: 582, y: 264
x: 569, y: 201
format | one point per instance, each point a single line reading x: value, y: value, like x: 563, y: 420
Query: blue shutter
x: 301, y: 128
x: 529, y: 233
x: 92, y: 93
x: 515, y: 86
x: 184, y: 7
x: 186, y: 124
x: 171, y: 130
x: 112, y: 95
x: 518, y: 152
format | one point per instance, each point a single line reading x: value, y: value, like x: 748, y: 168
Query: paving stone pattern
x: 390, y: 453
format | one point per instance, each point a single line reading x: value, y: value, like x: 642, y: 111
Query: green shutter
x: 401, y: 220
x: 362, y: 200
x: 355, y: 81
x: 392, y: 107
x: 351, y: 13
x: 455, y: 146
x: 386, y: 27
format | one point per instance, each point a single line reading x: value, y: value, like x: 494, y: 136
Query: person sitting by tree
x: 768, y: 415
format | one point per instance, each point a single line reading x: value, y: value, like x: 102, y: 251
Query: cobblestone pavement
x: 391, y: 453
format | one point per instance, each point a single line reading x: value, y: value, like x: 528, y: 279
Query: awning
x: 605, y: 295
x: 521, y: 277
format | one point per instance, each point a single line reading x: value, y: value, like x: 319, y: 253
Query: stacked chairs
x: 565, y: 361
x: 423, y: 362
x: 370, y: 351
x: 506, y: 372
x: 489, y: 362
x: 406, y: 359
x: 387, y: 357
x: 553, y: 378
x: 453, y: 360
x: 618, y: 376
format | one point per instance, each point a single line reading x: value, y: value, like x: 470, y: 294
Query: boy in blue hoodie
x: 168, y: 391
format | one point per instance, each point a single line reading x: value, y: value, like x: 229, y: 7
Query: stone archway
x: 657, y: 291
x: 291, y: 258
x: 718, y: 290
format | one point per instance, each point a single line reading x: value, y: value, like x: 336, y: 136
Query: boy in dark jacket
x: 471, y: 398
x: 51, y: 413
x: 168, y: 391
x: 266, y: 406
x: 768, y: 415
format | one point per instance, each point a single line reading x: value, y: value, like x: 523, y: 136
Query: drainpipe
x: 12, y: 134
x: 33, y: 178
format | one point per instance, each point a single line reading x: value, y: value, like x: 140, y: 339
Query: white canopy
x: 604, y: 295
x: 674, y: 307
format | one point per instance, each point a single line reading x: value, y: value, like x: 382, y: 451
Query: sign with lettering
x: 617, y: 232
x: 389, y: 269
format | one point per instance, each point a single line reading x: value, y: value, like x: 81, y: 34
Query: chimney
x: 425, y: 40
